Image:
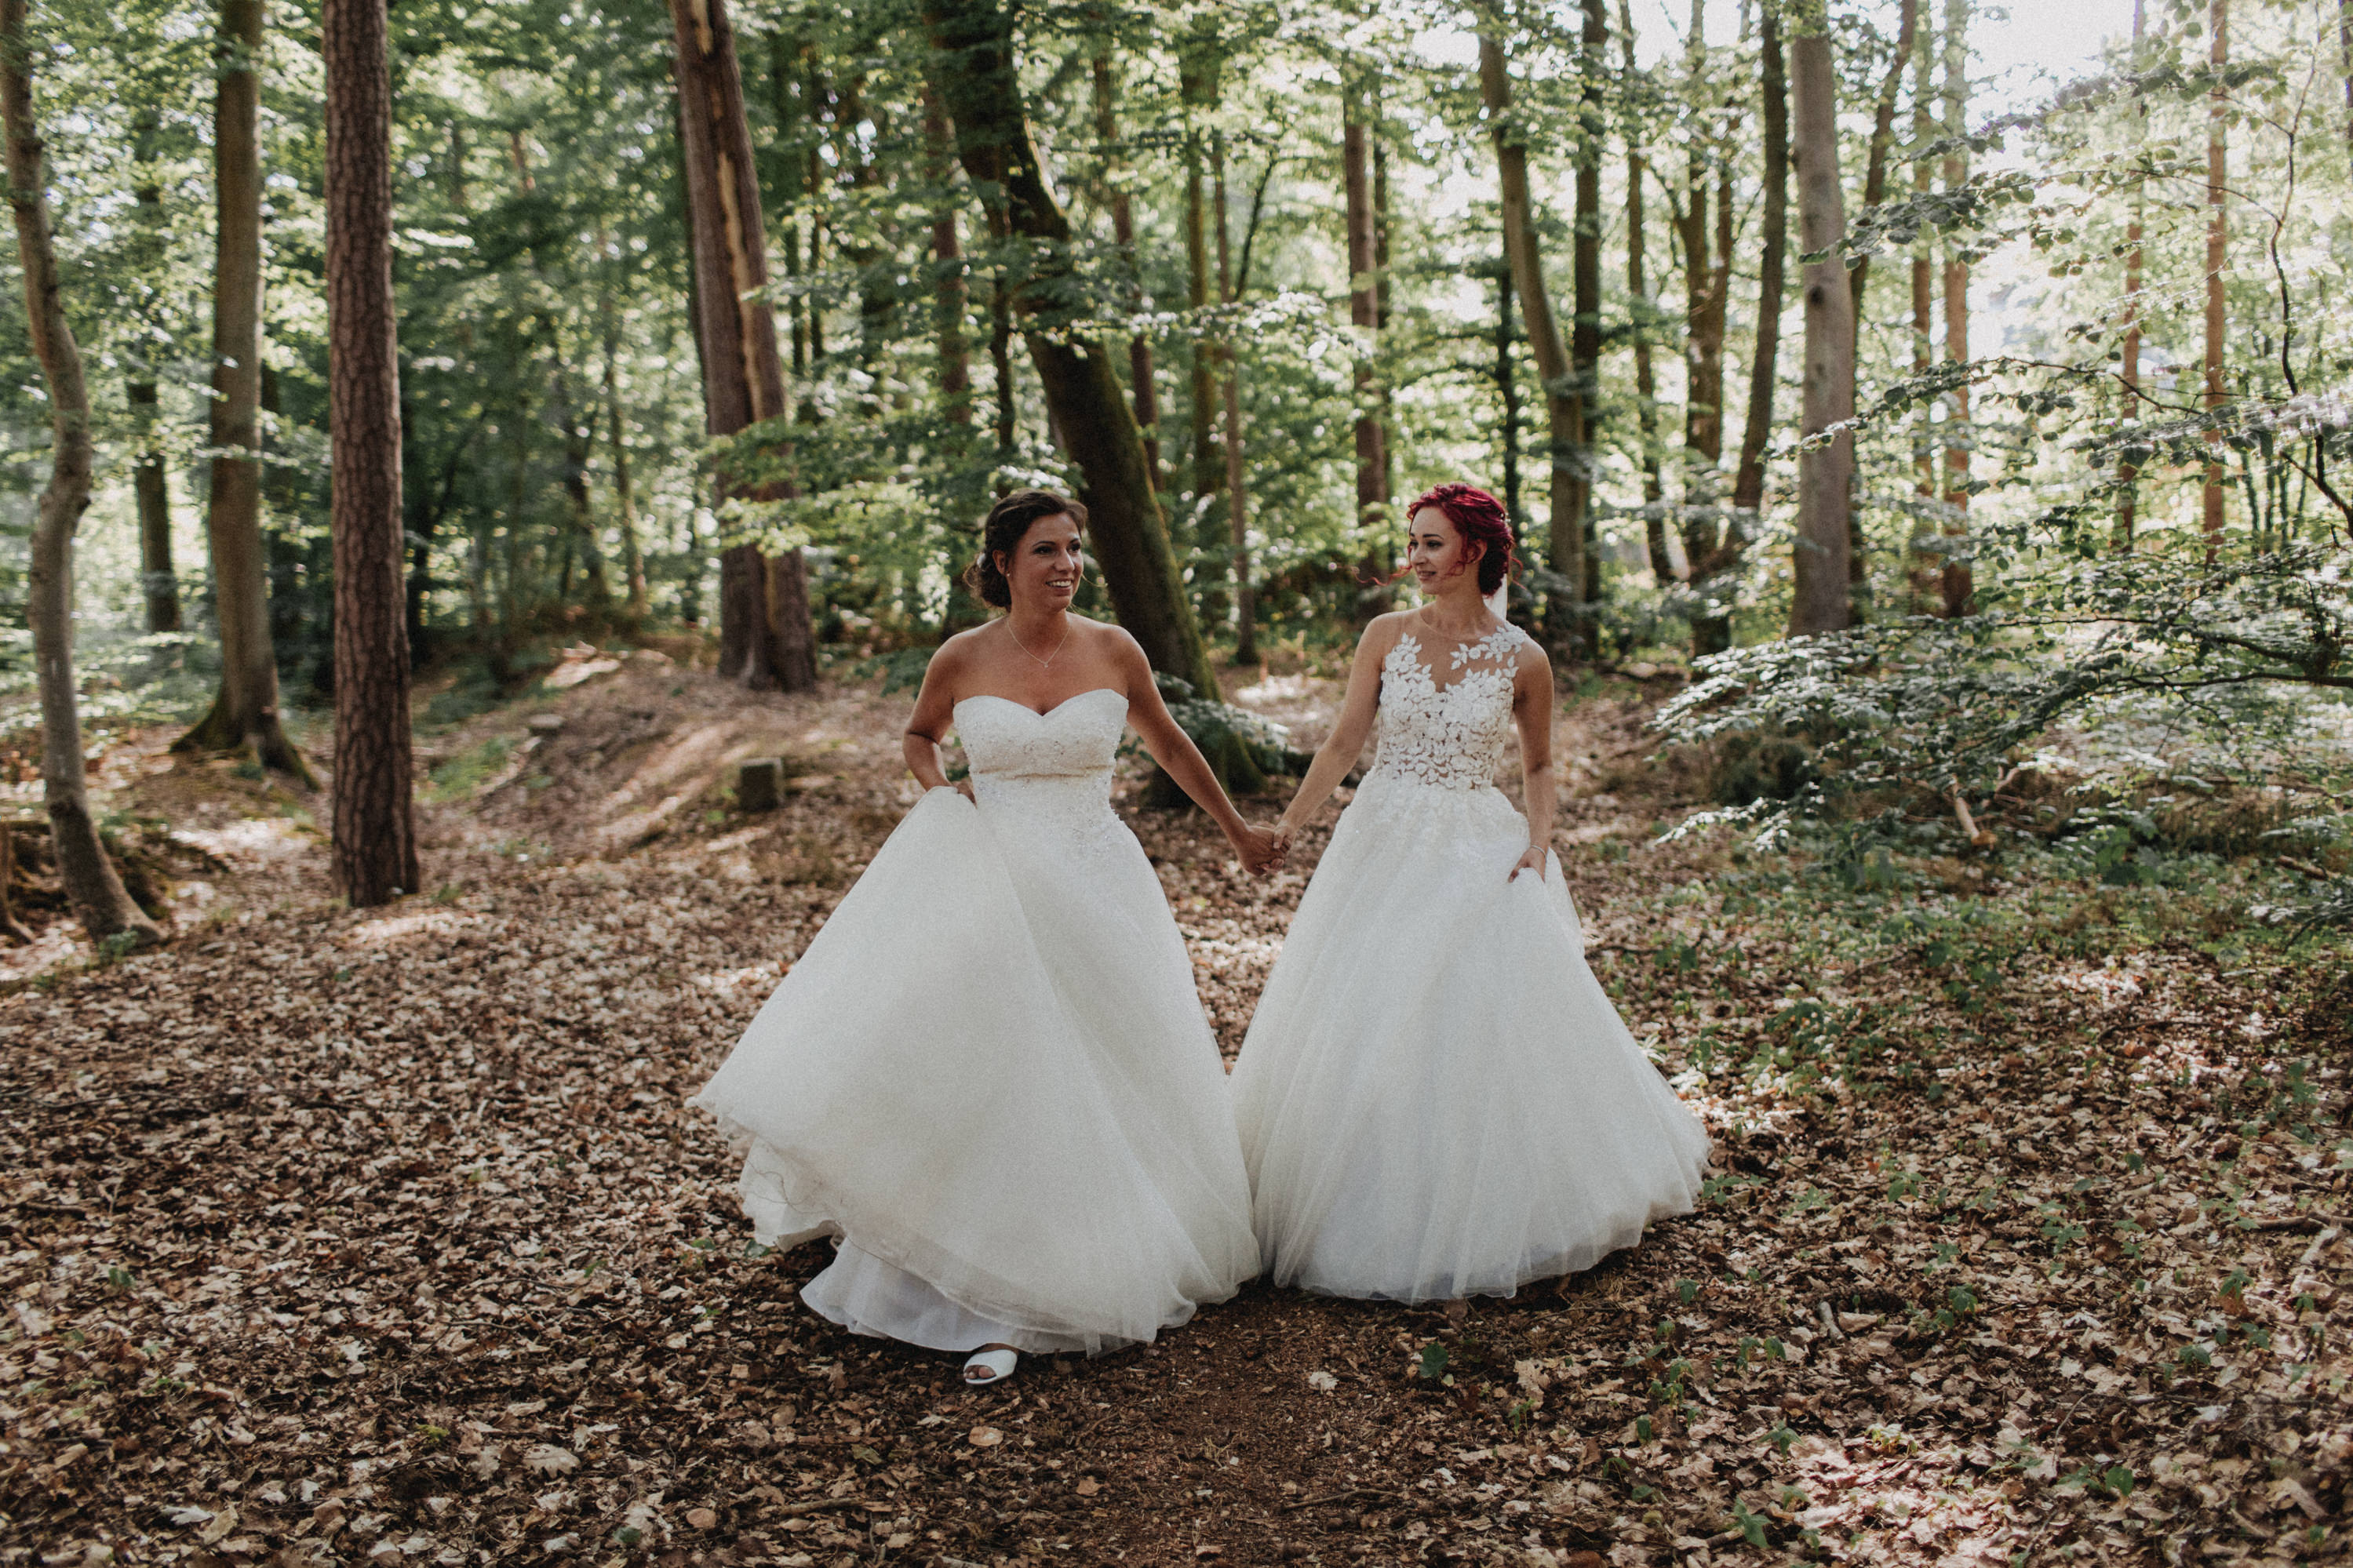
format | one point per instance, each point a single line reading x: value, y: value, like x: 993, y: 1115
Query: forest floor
x: 385, y: 1235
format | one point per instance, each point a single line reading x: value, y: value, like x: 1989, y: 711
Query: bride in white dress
x: 1436, y: 1097
x: 989, y: 1074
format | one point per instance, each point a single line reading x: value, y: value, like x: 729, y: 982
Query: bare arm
x: 1532, y: 712
x: 1341, y: 749
x: 1174, y: 750
x: 927, y: 727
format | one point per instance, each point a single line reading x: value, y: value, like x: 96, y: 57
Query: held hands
x: 1261, y: 852
x: 1532, y: 860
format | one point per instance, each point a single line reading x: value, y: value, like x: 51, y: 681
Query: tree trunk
x: 1364, y: 307
x: 245, y: 712
x: 1236, y: 495
x: 375, y: 840
x: 1507, y: 384
x: 1819, y: 601
x: 1924, y: 570
x: 1123, y: 231
x: 1129, y: 536
x: 765, y: 639
x: 1585, y: 277
x: 1564, y: 408
x: 1643, y: 309
x: 1713, y: 634
x: 92, y: 887
x: 950, y: 295
x: 1197, y: 83
x: 1960, y: 444
x: 1875, y: 192
x: 2218, y: 232
x: 625, y: 500
x: 159, y: 584
x: 2120, y: 538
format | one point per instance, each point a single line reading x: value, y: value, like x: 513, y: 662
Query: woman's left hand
x: 1534, y: 861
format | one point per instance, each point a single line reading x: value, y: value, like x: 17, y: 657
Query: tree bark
x: 1237, y: 494
x: 951, y: 297
x: 1123, y: 230
x: 1585, y: 278
x: 1883, y: 136
x: 93, y: 886
x: 2218, y: 233
x: 374, y: 838
x: 1819, y: 602
x: 625, y: 499
x: 1713, y: 634
x: 1363, y: 306
x: 159, y: 584
x: 245, y: 711
x: 1129, y: 536
x: 765, y: 639
x: 1957, y: 580
x: 1564, y: 408
x: 1923, y: 571
x: 2120, y: 538
x: 1507, y: 384
x: 1643, y: 309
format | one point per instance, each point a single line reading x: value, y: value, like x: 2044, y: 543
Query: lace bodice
x: 1074, y: 739
x: 1453, y: 736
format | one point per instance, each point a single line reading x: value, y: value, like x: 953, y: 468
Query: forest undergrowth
x: 385, y: 1235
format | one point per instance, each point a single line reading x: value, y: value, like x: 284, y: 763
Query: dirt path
x: 384, y: 1237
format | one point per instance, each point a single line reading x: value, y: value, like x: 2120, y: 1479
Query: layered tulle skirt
x: 989, y: 1076
x: 1436, y: 1096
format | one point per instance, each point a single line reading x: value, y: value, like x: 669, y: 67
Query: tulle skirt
x: 1436, y: 1096
x: 990, y: 1076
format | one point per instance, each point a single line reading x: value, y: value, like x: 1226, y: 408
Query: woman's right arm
x: 927, y: 727
x: 1341, y: 749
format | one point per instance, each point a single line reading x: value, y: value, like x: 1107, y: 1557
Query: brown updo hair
x: 1002, y: 532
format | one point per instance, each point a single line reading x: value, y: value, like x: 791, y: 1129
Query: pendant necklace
x: 1047, y: 662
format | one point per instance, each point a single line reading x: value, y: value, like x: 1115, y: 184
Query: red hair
x: 1478, y: 518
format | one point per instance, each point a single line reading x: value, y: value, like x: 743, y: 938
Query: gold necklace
x: 1047, y: 662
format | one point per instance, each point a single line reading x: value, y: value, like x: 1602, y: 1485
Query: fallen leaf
x: 1322, y: 1382
x: 547, y: 1459
x: 985, y: 1437
x: 702, y: 1518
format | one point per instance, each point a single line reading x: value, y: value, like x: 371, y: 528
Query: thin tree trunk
x: 766, y: 637
x: 1957, y: 579
x: 374, y: 853
x: 1643, y: 309
x: 950, y: 294
x: 2218, y: 233
x: 1197, y: 74
x: 159, y: 584
x: 1363, y: 306
x: 2129, y: 473
x: 1126, y: 529
x: 1507, y: 384
x: 1883, y: 136
x: 1819, y: 601
x: 245, y: 712
x: 1713, y: 634
x: 1237, y: 494
x: 625, y: 500
x: 93, y: 886
x: 1924, y: 567
x: 1564, y: 408
x: 1585, y: 276
x: 1123, y: 229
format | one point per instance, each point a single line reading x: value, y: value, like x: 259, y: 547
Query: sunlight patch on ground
x: 727, y: 979
x: 61, y: 945
x: 253, y: 839
x: 403, y: 928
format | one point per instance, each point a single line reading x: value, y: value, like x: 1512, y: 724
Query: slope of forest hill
x: 384, y: 1236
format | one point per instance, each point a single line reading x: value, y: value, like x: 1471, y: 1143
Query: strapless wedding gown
x: 989, y: 1074
x: 1436, y: 1096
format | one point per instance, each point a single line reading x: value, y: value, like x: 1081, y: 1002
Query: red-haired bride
x: 1436, y: 1096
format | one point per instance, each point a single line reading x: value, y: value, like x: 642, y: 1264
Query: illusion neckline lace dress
x: 989, y: 1074
x: 1436, y: 1096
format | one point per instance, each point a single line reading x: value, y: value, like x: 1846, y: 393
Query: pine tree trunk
x: 245, y: 712
x: 1819, y: 600
x: 1564, y: 410
x: 1364, y: 307
x: 2218, y: 233
x: 375, y: 851
x: 1713, y: 634
x: 1123, y: 231
x: 765, y: 639
x: 1643, y: 309
x: 92, y: 887
x: 1127, y: 530
x: 1959, y: 581
x: 2120, y: 538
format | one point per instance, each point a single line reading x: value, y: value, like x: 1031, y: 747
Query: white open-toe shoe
x: 987, y: 1366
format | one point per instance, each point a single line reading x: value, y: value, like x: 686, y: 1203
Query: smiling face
x: 1436, y: 554
x: 1043, y: 570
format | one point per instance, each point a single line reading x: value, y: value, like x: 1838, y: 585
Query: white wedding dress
x: 989, y: 1074
x: 1436, y: 1097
